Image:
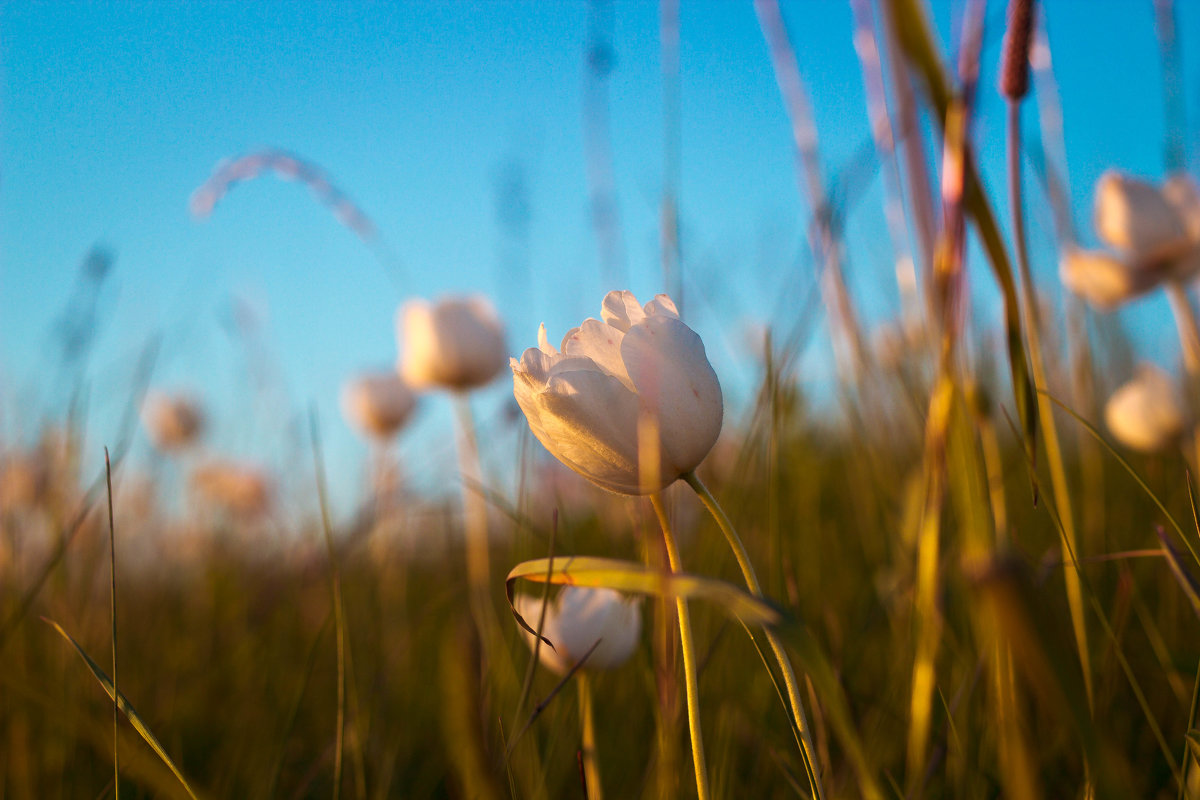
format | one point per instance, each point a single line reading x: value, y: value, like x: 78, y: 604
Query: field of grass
x: 982, y: 590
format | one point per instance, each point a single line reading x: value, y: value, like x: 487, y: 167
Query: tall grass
x: 965, y: 588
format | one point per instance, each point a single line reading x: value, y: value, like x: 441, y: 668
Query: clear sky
x: 426, y: 114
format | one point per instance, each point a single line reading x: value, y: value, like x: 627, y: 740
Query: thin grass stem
x: 688, y: 649
x: 112, y: 572
x: 807, y: 750
x: 1054, y: 456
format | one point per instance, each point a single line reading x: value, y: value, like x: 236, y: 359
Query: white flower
x: 377, y: 404
x: 171, y: 421
x: 456, y: 343
x: 1153, y: 231
x: 1102, y: 279
x: 1139, y: 219
x: 638, y: 366
x: 579, y: 618
x: 1147, y: 413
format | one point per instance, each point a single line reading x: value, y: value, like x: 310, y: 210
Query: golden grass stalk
x: 123, y: 705
x: 690, y: 678
x: 1014, y: 84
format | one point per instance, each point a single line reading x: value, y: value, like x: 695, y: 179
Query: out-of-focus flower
x: 578, y: 619
x: 172, y: 421
x: 377, y: 404
x: 1154, y: 233
x: 639, y: 366
x: 1144, y: 222
x: 456, y: 343
x: 236, y: 489
x: 1102, y: 279
x: 1147, y: 413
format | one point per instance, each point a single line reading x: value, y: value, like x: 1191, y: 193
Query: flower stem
x: 691, y: 681
x: 591, y: 767
x: 785, y: 664
x: 474, y: 506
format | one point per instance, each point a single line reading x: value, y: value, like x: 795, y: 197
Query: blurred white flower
x: 456, y: 343
x: 236, y: 489
x: 1147, y: 413
x: 579, y: 618
x: 1153, y: 231
x: 1102, y: 279
x: 172, y: 421
x: 585, y: 402
x: 377, y: 404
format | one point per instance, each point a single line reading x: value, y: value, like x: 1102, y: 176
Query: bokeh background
x: 460, y: 129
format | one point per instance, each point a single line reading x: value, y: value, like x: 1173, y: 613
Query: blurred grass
x: 227, y: 653
x: 931, y: 592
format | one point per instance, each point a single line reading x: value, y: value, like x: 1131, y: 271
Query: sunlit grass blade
x: 1133, y: 473
x: 125, y: 707
x: 631, y: 577
x: 627, y: 576
x: 912, y: 32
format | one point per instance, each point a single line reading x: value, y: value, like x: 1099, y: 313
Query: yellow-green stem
x: 1058, y: 473
x: 587, y: 724
x: 785, y: 665
x: 690, y: 678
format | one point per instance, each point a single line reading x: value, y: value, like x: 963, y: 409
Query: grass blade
x: 125, y: 707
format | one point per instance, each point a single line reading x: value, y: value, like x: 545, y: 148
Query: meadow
x: 971, y: 574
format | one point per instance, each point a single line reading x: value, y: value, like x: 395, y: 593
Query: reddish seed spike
x: 230, y: 172
x: 1014, y: 67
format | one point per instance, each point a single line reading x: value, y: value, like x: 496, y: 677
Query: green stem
x: 591, y: 767
x: 690, y: 679
x: 785, y: 664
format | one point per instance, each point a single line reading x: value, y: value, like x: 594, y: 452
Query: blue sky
x: 113, y: 113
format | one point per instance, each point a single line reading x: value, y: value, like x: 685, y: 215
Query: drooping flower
x: 456, y: 343
x: 578, y: 619
x: 172, y: 421
x: 1154, y: 235
x: 592, y: 402
x: 377, y: 404
x: 1147, y: 413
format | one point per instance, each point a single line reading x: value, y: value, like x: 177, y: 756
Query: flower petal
x: 588, y: 421
x: 662, y: 305
x: 621, y: 310
x: 667, y: 363
x: 544, y: 341
x: 1102, y: 280
x: 602, y: 344
x: 1135, y: 217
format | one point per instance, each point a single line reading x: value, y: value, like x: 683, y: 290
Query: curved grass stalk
x: 690, y: 678
x: 807, y: 750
